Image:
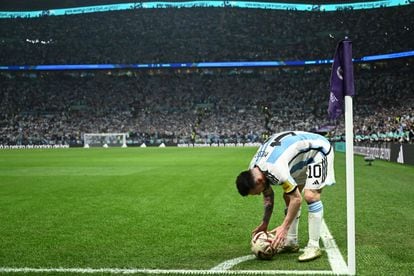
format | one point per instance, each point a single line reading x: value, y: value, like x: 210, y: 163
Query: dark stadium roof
x: 23, y: 5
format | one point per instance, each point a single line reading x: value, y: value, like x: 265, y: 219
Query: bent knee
x: 312, y: 195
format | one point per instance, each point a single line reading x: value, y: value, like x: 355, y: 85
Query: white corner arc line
x: 337, y: 262
x: 232, y: 262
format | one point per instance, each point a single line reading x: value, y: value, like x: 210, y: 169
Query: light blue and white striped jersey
x: 286, y: 155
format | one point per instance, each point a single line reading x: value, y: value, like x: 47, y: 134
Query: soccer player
x: 299, y: 162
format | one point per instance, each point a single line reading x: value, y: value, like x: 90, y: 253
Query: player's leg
x: 319, y: 173
x: 315, y: 216
x: 291, y: 244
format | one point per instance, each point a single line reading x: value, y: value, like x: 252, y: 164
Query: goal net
x: 104, y: 140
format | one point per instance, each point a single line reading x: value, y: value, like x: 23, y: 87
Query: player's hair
x: 245, y: 182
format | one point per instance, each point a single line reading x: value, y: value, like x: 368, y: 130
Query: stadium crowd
x: 205, y: 106
x: 201, y: 34
x: 200, y: 105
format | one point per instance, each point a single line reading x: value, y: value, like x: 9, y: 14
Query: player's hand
x: 261, y: 227
x: 280, y: 233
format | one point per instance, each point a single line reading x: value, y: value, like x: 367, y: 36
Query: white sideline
x: 159, y: 271
x: 336, y: 261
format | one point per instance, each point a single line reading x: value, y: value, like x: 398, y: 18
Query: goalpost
x: 104, y: 140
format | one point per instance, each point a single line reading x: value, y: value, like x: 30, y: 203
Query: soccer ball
x: 261, y: 245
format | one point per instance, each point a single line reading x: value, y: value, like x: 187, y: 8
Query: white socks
x: 315, y: 216
x: 292, y: 236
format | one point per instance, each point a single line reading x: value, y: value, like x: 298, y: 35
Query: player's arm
x: 268, y: 203
x: 294, y: 199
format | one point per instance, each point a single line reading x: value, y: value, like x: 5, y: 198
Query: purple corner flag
x: 342, y: 78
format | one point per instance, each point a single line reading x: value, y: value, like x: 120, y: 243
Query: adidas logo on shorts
x: 316, y: 182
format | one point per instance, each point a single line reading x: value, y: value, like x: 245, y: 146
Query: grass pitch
x: 178, y: 208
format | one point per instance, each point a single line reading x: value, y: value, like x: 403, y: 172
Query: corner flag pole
x: 342, y: 90
x: 350, y: 192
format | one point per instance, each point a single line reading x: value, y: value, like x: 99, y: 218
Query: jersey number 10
x: 314, y: 171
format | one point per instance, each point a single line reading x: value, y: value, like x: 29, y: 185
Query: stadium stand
x: 218, y: 105
x: 200, y: 105
x: 201, y: 34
